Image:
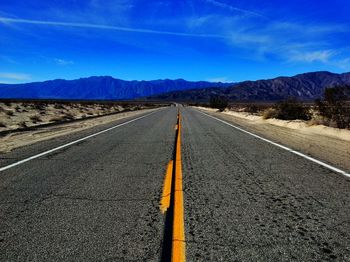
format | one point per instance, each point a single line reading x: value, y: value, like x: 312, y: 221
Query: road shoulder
x: 331, y: 149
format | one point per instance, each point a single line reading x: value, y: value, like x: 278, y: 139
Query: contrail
x: 105, y: 27
x: 236, y: 9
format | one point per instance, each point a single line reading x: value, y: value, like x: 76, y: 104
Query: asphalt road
x: 98, y: 200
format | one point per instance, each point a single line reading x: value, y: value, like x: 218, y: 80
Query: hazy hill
x: 94, y: 88
x: 308, y: 86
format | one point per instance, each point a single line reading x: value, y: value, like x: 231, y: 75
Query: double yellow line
x: 178, y: 248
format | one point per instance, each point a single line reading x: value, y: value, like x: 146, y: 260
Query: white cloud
x: 15, y: 76
x: 222, y: 79
x: 63, y: 62
x: 323, y: 56
x: 282, y: 40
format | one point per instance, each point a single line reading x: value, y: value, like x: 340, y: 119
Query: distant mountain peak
x: 98, y: 87
x: 306, y: 86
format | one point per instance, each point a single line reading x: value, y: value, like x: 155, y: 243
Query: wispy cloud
x: 14, y: 76
x: 63, y: 62
x: 234, y: 8
x: 285, y: 41
x: 7, y: 59
x: 343, y: 63
x: 323, y: 56
x: 222, y: 79
x: 7, y: 20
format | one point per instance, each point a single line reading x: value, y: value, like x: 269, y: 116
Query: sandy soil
x: 329, y: 144
x: 22, y: 138
x: 21, y: 115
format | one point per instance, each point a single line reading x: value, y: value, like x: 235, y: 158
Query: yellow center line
x: 165, y: 201
x: 178, y: 238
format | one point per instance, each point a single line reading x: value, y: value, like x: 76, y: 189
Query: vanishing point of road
x: 99, y: 195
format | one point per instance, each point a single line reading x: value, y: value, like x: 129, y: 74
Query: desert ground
x: 27, y: 123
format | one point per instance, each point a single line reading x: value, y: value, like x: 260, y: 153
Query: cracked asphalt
x: 247, y: 200
x: 93, y: 201
x: 98, y: 200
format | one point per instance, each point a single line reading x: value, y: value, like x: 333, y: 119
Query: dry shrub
x: 218, y: 102
x: 251, y: 108
x: 316, y: 121
x: 22, y: 124
x: 68, y: 116
x: 292, y: 109
x: 58, y: 106
x: 57, y: 119
x: 334, y: 108
x: 39, y: 106
x: 10, y: 113
x: 35, y: 118
x: 269, y: 113
x: 2, y: 124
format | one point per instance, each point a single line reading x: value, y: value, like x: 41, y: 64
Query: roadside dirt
x: 328, y: 144
x: 22, y: 138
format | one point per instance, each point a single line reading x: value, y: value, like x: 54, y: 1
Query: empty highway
x: 94, y: 196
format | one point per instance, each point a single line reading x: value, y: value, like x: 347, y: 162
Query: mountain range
x: 307, y: 86
x: 98, y: 88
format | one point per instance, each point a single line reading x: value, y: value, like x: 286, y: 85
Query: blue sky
x: 214, y: 40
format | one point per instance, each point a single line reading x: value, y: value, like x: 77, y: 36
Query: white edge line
x: 281, y: 146
x: 72, y: 143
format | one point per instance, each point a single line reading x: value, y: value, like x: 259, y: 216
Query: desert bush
x: 334, y: 108
x: 35, y: 118
x: 18, y: 109
x: 68, y: 116
x: 291, y: 109
x: 252, y: 108
x: 10, y: 113
x: 57, y: 119
x: 22, y: 124
x: 269, y: 113
x: 8, y: 104
x: 218, y: 102
x: 39, y: 106
x: 2, y: 124
x: 58, y: 106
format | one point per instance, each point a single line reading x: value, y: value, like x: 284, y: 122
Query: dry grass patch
x: 57, y: 119
x: 35, y: 118
x: 9, y: 113
x: 269, y: 113
x: 22, y: 124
